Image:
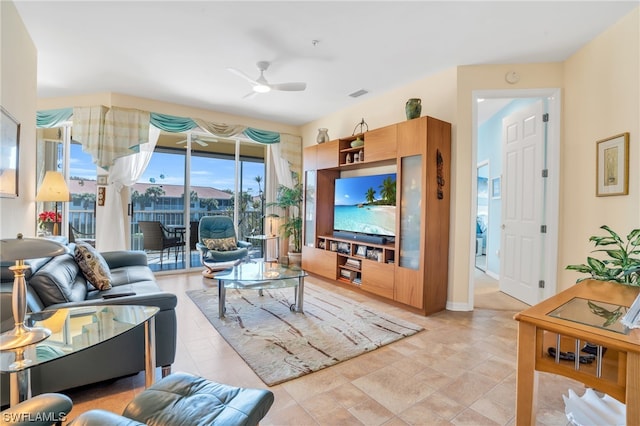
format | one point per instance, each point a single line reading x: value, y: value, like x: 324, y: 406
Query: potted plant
x: 48, y: 220
x: 290, y: 201
x: 623, y: 262
x: 621, y: 266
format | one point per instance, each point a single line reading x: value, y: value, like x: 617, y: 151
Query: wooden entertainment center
x: 413, y: 268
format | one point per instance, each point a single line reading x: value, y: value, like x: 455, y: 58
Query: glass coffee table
x: 260, y: 275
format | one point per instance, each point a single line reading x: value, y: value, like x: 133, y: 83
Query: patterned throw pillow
x: 221, y: 244
x: 93, y: 266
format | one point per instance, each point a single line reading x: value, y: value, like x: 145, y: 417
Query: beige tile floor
x: 460, y: 371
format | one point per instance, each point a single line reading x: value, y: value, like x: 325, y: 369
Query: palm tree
x: 87, y: 199
x: 153, y: 193
x: 259, y: 205
x: 258, y: 179
x: 370, y: 195
x: 388, y: 191
x: 210, y: 203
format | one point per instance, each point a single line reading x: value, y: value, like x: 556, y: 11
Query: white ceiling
x: 179, y: 51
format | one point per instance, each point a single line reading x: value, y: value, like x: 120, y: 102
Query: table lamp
x: 54, y: 188
x: 17, y: 250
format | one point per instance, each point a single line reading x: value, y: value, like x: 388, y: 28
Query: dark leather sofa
x: 57, y: 282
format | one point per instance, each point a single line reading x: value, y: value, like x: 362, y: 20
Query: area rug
x: 280, y: 345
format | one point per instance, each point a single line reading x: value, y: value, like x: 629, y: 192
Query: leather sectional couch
x: 58, y: 282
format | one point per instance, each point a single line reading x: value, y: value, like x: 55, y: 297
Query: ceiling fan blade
x: 250, y: 95
x: 289, y: 87
x: 243, y: 75
x: 196, y: 140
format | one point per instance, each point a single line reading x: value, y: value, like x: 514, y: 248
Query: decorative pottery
x: 356, y: 143
x: 323, y: 136
x: 49, y: 227
x: 295, y: 259
x: 413, y: 108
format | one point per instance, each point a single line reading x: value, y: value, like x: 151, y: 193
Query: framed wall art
x: 612, y: 162
x: 496, y: 188
x: 9, y: 154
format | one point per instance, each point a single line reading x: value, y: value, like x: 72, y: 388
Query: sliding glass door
x: 181, y: 185
x: 183, y: 182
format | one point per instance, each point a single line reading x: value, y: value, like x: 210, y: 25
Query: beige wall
x: 599, y: 86
x: 470, y: 79
x: 601, y: 99
x: 18, y: 97
x: 438, y: 94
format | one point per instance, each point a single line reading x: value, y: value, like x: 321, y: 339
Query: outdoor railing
x: 251, y: 223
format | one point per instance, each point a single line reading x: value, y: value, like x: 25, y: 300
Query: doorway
x: 489, y: 109
x: 482, y: 215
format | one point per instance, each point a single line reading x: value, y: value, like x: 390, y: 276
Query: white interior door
x: 522, y: 203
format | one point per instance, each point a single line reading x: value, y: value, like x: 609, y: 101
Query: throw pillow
x: 221, y: 244
x: 93, y: 266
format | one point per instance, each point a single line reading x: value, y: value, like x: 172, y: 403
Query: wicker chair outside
x: 156, y: 237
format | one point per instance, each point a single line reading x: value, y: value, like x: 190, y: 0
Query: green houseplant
x: 290, y: 201
x: 622, y: 264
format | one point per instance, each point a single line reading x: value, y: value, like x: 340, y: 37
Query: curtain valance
x: 262, y: 136
x: 110, y: 133
x: 218, y: 129
x: 228, y: 130
x: 53, y: 117
x: 170, y: 123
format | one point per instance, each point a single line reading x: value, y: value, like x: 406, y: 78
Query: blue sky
x: 169, y: 169
x: 353, y: 190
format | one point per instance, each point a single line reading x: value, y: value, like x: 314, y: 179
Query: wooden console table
x: 616, y: 373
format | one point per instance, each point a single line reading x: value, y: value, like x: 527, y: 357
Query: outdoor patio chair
x: 156, y: 237
x: 77, y: 236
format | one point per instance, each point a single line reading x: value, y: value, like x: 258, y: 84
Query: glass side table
x: 73, y: 330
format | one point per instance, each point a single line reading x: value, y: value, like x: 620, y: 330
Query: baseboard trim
x: 458, y: 306
x: 493, y: 275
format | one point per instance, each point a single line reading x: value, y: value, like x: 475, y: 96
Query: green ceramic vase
x: 413, y: 108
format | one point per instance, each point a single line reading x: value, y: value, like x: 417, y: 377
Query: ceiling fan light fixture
x: 261, y: 85
x: 261, y: 88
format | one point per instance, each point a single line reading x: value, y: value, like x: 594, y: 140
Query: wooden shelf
x: 418, y: 279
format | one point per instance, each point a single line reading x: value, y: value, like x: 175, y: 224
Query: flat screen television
x: 366, y: 204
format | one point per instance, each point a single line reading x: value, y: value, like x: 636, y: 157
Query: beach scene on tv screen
x: 366, y: 204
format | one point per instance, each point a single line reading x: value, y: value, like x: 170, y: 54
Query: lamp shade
x: 29, y: 248
x: 53, y: 188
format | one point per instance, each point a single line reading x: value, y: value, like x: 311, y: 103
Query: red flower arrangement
x: 49, y: 217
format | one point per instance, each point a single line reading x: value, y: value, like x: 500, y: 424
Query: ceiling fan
x: 261, y: 85
x: 199, y: 140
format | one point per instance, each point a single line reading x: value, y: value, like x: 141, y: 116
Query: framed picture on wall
x: 9, y: 154
x: 612, y: 154
x: 496, y: 188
